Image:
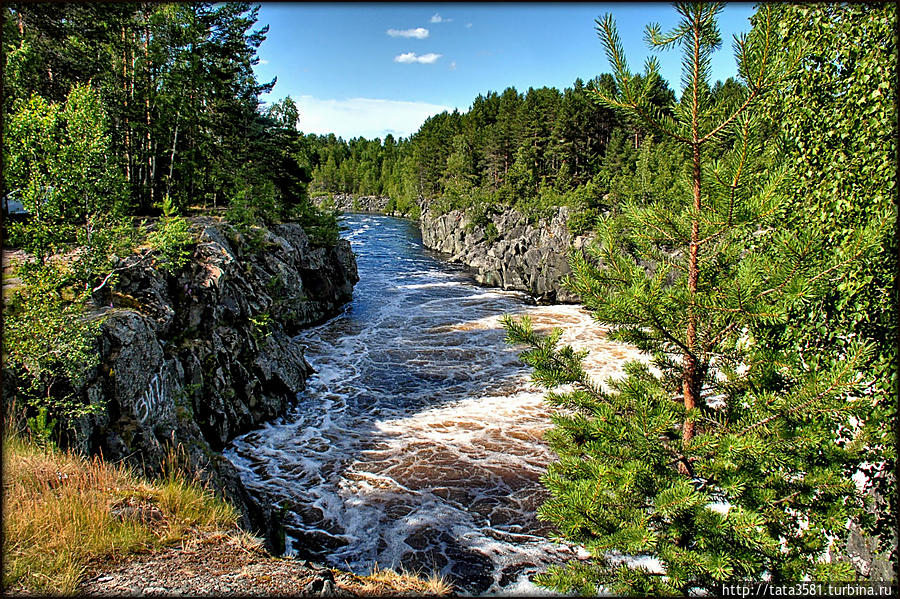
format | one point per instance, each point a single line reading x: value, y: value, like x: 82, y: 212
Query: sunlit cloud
x: 411, y: 57
x: 364, y: 117
x: 429, y: 58
x: 418, y: 33
x: 437, y: 18
x: 408, y: 57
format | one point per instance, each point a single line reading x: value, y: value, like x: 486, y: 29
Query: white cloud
x: 436, y: 18
x: 468, y: 25
x: 364, y: 117
x: 418, y: 33
x: 263, y: 61
x: 429, y: 58
x: 411, y: 57
x: 453, y: 66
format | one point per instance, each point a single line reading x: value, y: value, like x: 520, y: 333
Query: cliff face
x: 521, y: 255
x: 352, y: 203
x: 197, y: 358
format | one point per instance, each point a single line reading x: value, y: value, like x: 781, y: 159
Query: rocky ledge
x: 192, y: 359
x: 230, y: 563
x: 509, y: 251
x: 345, y: 202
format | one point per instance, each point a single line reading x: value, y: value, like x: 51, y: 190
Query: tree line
x: 531, y: 150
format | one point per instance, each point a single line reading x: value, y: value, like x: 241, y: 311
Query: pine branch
x: 729, y: 120
x: 836, y: 383
x: 660, y: 327
x: 609, y: 36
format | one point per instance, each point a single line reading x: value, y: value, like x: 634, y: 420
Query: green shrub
x: 49, y: 345
x: 321, y: 225
x: 172, y: 239
x: 583, y: 221
x: 491, y: 233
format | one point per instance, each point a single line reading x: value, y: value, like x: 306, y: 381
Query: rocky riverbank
x: 230, y: 563
x: 345, y: 202
x: 508, y: 251
x: 194, y: 358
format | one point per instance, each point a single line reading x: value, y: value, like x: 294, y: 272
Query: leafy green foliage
x: 729, y: 457
x: 42, y: 427
x: 838, y: 122
x: 321, y: 225
x: 262, y: 325
x: 172, y: 238
x: 56, y: 163
x: 49, y: 342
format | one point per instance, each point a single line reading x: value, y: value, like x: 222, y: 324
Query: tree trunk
x: 150, y: 169
x: 690, y: 382
x: 172, y: 154
x: 127, y: 123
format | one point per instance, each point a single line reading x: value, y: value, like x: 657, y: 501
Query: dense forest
x: 534, y: 150
x: 167, y: 89
x: 746, y: 239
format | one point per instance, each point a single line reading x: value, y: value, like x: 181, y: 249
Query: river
x: 418, y: 442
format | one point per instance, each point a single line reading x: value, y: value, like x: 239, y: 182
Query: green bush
x: 583, y: 221
x: 172, y: 239
x: 321, y: 224
x: 49, y: 345
x: 491, y: 233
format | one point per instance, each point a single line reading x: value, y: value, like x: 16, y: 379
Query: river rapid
x: 418, y: 442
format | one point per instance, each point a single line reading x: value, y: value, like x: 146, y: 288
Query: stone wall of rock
x: 523, y: 256
x: 195, y: 358
x: 353, y: 203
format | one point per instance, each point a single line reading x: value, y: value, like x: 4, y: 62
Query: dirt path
x: 230, y: 564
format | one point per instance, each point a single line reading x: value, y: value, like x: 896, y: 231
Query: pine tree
x: 726, y: 457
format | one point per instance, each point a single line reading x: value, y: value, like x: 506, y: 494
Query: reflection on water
x: 419, y: 441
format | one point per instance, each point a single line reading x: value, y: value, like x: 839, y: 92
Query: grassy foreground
x: 65, y: 515
x: 63, y: 511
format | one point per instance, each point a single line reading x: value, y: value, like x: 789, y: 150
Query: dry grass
x: 62, y: 511
x: 383, y: 582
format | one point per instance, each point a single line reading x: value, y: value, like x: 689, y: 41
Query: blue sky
x: 370, y: 69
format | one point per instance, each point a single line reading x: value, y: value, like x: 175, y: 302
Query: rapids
x: 418, y: 443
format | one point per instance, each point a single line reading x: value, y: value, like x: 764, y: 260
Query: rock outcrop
x: 519, y: 255
x: 352, y: 203
x: 195, y: 358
